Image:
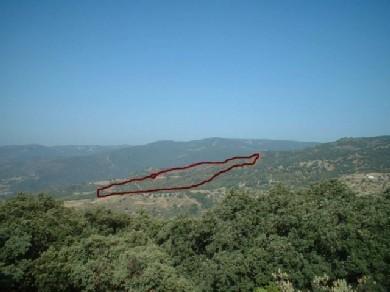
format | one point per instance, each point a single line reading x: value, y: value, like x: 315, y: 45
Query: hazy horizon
x: 135, y: 72
x: 204, y: 138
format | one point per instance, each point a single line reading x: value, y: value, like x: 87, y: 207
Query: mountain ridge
x: 284, y: 160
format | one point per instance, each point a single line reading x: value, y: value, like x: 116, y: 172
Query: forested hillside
x: 294, y: 163
x: 28, y: 169
x: 325, y: 161
x: 362, y: 163
x: 326, y: 238
x: 36, y: 168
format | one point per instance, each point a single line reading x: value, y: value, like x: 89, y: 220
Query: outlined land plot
x: 176, y: 178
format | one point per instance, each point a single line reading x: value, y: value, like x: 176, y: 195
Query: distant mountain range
x: 62, y: 169
x: 13, y: 153
x: 42, y: 168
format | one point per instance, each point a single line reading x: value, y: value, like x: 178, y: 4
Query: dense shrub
x: 249, y: 242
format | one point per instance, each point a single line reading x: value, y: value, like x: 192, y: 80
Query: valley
x: 358, y: 162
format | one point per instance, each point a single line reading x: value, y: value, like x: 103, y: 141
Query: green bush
x: 240, y: 245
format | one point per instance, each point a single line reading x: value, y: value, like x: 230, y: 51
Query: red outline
x: 256, y: 156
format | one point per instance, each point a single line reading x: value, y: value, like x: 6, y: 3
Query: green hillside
x: 35, y: 172
x: 328, y: 160
x: 362, y: 163
x: 293, y: 163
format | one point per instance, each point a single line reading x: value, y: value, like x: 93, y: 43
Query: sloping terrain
x: 295, y: 164
x: 34, y: 171
x: 328, y: 160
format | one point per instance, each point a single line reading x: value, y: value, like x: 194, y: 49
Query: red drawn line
x: 255, y: 157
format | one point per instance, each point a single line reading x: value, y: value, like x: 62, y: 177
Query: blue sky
x: 132, y: 72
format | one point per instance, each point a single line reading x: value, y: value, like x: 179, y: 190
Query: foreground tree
x: 238, y: 246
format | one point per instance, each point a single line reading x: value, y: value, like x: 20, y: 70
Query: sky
x: 133, y: 72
